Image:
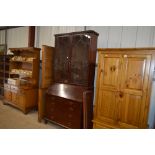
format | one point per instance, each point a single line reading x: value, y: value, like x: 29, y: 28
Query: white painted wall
x: 124, y: 37
x: 17, y: 37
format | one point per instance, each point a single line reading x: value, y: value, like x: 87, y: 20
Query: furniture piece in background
x: 123, y: 87
x: 21, y: 89
x: 69, y: 100
x: 3, y: 67
x: 45, y: 77
x: 4, y: 72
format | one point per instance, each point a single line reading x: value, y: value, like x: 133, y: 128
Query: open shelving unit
x: 21, y: 88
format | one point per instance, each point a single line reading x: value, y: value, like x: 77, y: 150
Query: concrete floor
x: 12, y: 118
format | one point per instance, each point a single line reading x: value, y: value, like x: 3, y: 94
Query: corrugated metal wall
x: 45, y: 34
x: 125, y: 36
x: 17, y: 37
x: 128, y: 36
x: 2, y: 37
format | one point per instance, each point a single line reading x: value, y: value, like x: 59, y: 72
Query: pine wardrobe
x: 123, y: 87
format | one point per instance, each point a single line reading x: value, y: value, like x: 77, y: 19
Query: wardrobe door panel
x: 135, y: 73
x: 109, y: 71
x: 106, y: 107
x: 47, y: 60
x: 129, y: 111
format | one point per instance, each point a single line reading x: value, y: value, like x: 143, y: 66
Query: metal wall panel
x: 153, y: 42
x: 115, y: 36
x: 2, y: 37
x: 129, y: 36
x: 144, y: 36
x: 46, y: 33
x: 17, y: 37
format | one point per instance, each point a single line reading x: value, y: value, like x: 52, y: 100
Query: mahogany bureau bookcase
x: 69, y: 100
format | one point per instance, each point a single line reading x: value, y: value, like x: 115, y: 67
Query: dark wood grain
x: 69, y: 100
x: 67, y: 91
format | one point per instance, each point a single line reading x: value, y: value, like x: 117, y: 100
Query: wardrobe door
x: 107, y: 88
x: 61, y: 58
x: 133, y: 93
x: 47, y: 62
x: 80, y: 59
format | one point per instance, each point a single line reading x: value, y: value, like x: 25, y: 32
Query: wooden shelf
x: 26, y: 96
x: 16, y: 61
x: 21, y: 74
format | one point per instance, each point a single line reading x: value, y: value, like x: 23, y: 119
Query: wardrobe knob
x: 121, y: 94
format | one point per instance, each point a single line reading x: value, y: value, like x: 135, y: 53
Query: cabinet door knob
x: 121, y: 94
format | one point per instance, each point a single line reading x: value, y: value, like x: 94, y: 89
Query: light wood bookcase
x: 21, y: 88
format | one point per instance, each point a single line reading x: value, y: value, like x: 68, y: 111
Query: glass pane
x: 61, y: 66
x: 79, y: 59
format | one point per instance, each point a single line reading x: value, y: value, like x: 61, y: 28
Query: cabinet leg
x: 25, y: 112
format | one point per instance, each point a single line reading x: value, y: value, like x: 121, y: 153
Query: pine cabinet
x: 123, y: 88
x: 21, y: 87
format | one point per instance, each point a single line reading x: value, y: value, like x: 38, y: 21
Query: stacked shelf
x: 22, y: 85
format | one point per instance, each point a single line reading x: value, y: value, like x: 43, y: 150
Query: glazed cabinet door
x: 80, y: 59
x: 61, y: 59
x: 133, y: 93
x: 109, y: 78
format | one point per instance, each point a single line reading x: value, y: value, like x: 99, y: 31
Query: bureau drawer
x: 63, y: 111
